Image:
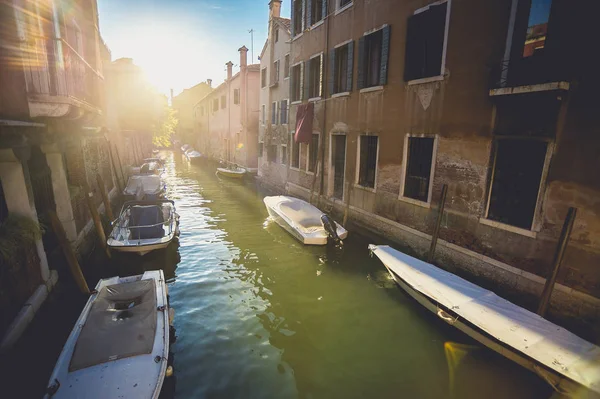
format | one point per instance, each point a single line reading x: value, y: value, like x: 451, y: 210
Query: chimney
x: 229, y: 70
x: 274, y: 9
x: 209, y: 82
x: 243, y: 56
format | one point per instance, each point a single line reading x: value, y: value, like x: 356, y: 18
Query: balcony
x: 530, y: 74
x: 59, y: 81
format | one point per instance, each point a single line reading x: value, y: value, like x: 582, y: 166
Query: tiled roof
x: 285, y: 22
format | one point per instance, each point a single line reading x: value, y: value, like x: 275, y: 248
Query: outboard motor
x: 330, y: 227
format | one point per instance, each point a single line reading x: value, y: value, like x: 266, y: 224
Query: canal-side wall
x: 568, y: 306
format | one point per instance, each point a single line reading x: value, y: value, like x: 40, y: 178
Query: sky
x: 180, y: 43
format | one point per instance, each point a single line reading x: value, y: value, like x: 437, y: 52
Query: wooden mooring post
x: 61, y: 236
x: 105, y: 198
x: 89, y: 197
x: 438, y: 222
x: 121, y: 168
x: 114, y: 168
x: 565, y: 234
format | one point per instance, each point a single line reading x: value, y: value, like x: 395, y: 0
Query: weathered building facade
x: 184, y: 104
x: 273, y: 129
x: 227, y: 118
x: 52, y: 140
x: 411, y: 95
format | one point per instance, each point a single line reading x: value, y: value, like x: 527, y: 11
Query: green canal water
x: 258, y: 315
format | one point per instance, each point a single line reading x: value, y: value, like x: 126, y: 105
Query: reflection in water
x: 260, y: 315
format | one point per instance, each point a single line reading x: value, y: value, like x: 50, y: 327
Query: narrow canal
x: 258, y: 315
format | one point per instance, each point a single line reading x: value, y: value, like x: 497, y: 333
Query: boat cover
x: 553, y: 346
x: 148, y: 184
x: 304, y: 215
x: 146, y: 215
x: 121, y: 323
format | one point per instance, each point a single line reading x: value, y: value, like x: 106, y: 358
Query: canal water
x: 259, y: 315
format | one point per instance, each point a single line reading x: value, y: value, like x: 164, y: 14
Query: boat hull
x: 140, y: 249
x: 559, y: 382
x: 232, y: 174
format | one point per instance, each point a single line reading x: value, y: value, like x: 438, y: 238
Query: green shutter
x: 360, y: 78
x: 385, y: 55
x: 324, y: 13
x: 307, y: 79
x: 308, y: 12
x: 349, y: 66
x: 331, y: 72
x: 292, y: 20
x: 303, y: 23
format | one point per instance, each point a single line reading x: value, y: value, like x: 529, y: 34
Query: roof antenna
x: 251, y: 31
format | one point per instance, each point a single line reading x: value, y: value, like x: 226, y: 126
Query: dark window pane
x: 425, y: 43
x: 517, y: 176
x: 295, y: 153
x: 418, y: 170
x: 314, y: 150
x: 368, y: 161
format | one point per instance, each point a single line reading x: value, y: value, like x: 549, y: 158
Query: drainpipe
x: 323, y: 130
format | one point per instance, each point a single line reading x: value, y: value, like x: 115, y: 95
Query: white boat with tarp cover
x: 144, y: 187
x: 120, y: 343
x: 144, y: 226
x: 567, y: 362
x: 304, y: 221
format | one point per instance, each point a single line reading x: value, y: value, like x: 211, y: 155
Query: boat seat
x: 146, y: 215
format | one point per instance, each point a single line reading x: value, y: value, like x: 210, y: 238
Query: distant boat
x: 568, y: 363
x: 148, y: 187
x: 144, y: 226
x: 184, y: 148
x: 302, y: 220
x: 193, y: 156
x: 120, y: 343
x: 159, y: 161
x: 233, y: 172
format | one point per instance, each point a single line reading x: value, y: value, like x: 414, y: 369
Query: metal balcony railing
x: 532, y: 70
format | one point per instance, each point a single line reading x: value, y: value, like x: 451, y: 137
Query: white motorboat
x: 233, y: 171
x: 144, y: 187
x: 193, y: 156
x: 144, y: 226
x: 567, y: 362
x: 120, y: 344
x: 184, y: 148
x: 302, y: 220
x: 159, y: 161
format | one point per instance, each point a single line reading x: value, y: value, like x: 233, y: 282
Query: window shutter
x: 308, y: 12
x: 301, y: 83
x: 292, y: 86
x: 331, y: 76
x: 292, y: 25
x: 307, y: 79
x: 436, y: 29
x: 385, y: 53
x: 321, y: 63
x: 411, y: 56
x: 324, y: 5
x: 349, y: 66
x: 360, y: 78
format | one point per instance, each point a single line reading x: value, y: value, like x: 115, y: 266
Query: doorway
x: 339, y: 164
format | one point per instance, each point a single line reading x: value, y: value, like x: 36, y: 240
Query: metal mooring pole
x: 558, y: 257
x: 438, y: 222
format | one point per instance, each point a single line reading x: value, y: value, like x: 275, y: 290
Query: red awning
x: 304, y: 123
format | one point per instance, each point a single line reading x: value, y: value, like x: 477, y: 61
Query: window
x: 373, y: 52
x: 295, y: 153
x: 314, y: 76
x: 223, y: 101
x: 297, y: 83
x: 275, y: 77
x: 367, y: 161
x: 516, y: 178
x: 274, y: 113
x: 341, y: 58
x: 272, y: 153
x: 286, y: 67
x: 425, y: 43
x: 297, y: 17
x: 316, y: 11
x: 537, y: 27
x: 276, y: 34
x: 417, y: 178
x: 260, y: 149
x: 283, y: 112
x: 284, y: 154
x: 343, y: 3
x: 263, y: 117
x: 313, y: 151
x: 236, y: 96
x: 263, y: 77
x: 215, y: 104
